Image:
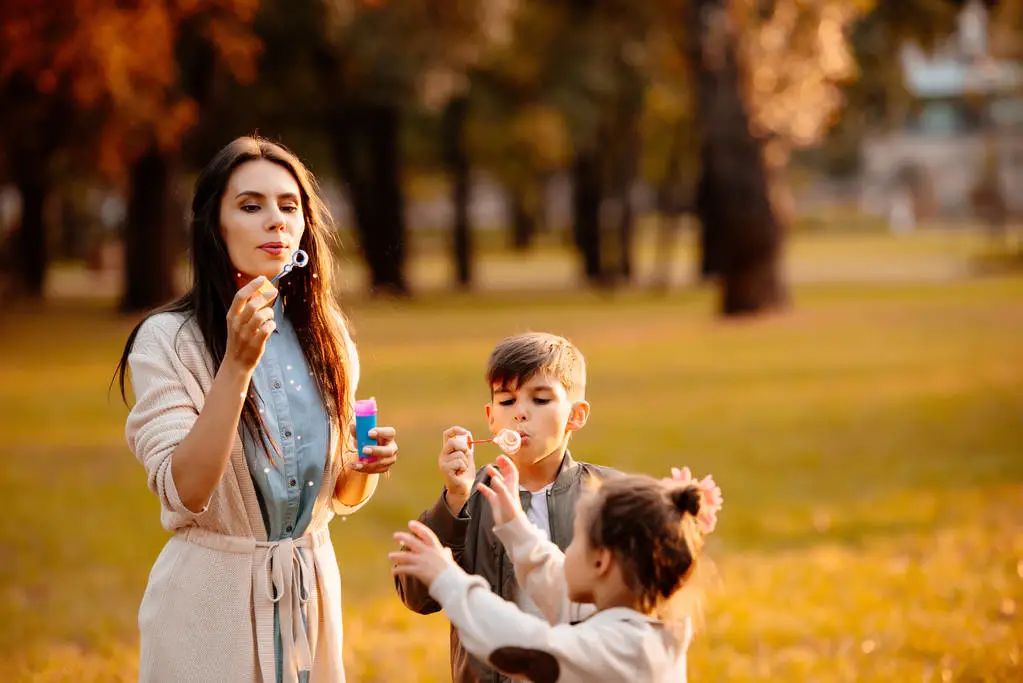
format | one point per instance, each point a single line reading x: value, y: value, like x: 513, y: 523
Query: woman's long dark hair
x: 317, y: 319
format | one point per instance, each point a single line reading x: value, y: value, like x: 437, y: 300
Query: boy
x: 537, y: 388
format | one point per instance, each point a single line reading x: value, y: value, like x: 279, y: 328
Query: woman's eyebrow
x: 259, y: 195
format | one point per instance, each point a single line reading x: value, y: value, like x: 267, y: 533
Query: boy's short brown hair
x: 515, y: 360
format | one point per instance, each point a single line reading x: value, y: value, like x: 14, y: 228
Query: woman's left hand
x: 381, y: 457
x: 422, y: 554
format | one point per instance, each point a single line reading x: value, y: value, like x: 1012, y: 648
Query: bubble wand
x: 299, y: 259
x: 508, y: 440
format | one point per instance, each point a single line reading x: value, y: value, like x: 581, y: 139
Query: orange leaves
x: 798, y: 56
x: 122, y: 60
x: 135, y: 78
x: 26, y: 48
x: 238, y: 47
x: 132, y: 52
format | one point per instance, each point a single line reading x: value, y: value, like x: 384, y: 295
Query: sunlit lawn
x: 869, y: 443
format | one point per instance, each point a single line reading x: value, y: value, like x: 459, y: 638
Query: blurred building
x: 959, y: 151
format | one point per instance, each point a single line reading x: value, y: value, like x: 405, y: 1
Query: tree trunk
x: 25, y: 112
x: 712, y: 255
x: 626, y: 230
x: 734, y: 199
x: 626, y: 169
x: 586, y: 199
x: 31, y: 255
x: 458, y: 166
x: 148, y: 261
x: 674, y: 197
x: 72, y: 242
x: 366, y: 147
x: 523, y: 219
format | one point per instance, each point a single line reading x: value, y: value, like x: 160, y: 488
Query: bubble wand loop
x: 299, y: 259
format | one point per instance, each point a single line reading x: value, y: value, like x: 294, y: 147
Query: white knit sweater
x: 610, y: 646
x: 207, y: 614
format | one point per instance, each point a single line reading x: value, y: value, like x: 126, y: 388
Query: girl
x: 635, y: 544
x: 248, y: 588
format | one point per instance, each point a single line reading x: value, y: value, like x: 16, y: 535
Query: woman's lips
x: 273, y: 250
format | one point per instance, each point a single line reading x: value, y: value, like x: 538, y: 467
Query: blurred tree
x: 766, y: 78
x: 189, y: 46
x: 457, y: 160
x: 566, y: 90
x: 37, y: 96
x: 522, y: 143
x: 515, y: 131
x: 102, y: 81
x: 591, y: 62
x: 670, y: 159
x: 28, y: 160
x: 602, y: 97
x: 1006, y: 26
x: 383, y: 57
x: 740, y: 240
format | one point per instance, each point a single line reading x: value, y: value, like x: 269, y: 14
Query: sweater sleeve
x: 517, y: 643
x: 163, y: 415
x: 540, y: 571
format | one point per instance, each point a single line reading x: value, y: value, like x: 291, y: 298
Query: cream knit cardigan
x: 207, y: 613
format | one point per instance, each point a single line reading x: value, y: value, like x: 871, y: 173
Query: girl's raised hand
x: 503, y: 492
x: 422, y: 554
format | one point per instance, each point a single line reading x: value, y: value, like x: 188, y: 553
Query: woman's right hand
x: 250, y: 322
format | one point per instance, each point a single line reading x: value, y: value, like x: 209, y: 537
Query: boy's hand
x: 422, y: 555
x: 458, y: 467
x: 503, y: 492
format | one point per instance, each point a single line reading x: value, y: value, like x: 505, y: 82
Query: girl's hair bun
x: 686, y: 499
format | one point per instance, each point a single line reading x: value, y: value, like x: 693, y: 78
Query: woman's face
x: 261, y: 218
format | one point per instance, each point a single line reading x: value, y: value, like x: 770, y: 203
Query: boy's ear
x: 488, y: 408
x: 577, y: 417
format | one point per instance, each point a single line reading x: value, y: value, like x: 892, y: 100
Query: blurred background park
x: 788, y: 235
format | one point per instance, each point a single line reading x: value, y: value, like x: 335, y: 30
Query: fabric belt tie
x: 285, y: 576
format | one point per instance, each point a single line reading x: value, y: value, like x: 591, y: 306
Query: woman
x: 242, y: 416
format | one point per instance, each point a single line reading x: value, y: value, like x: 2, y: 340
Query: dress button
x: 276, y: 385
x: 287, y: 433
x: 292, y: 482
x: 289, y: 528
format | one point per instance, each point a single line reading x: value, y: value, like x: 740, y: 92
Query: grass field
x: 869, y: 443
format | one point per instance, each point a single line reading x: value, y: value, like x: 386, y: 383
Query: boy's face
x: 540, y: 410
